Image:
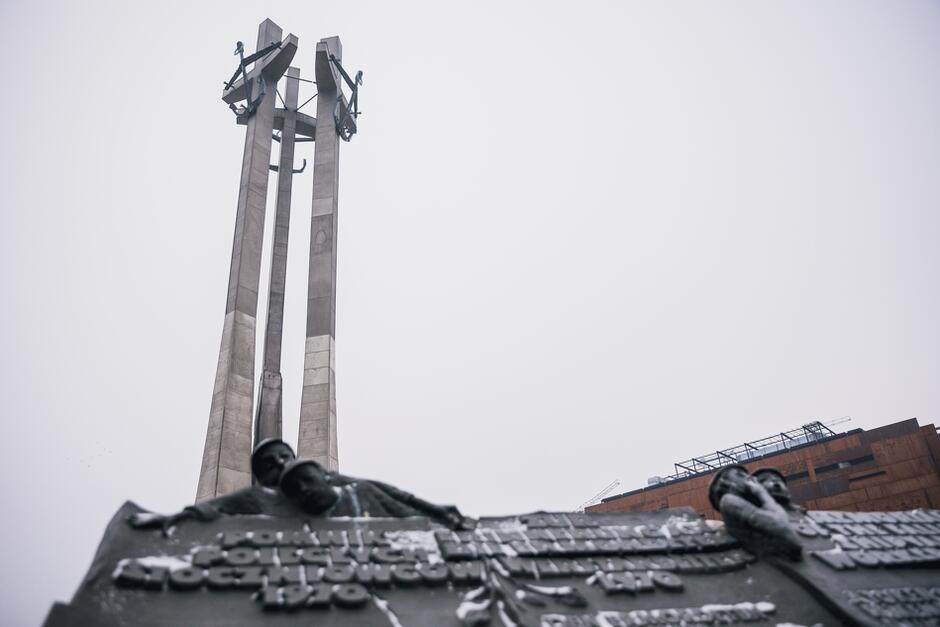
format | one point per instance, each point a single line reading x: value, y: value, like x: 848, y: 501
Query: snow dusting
x: 413, y: 540
x: 503, y: 616
x: 386, y: 609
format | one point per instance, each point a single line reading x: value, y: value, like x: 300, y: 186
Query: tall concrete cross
x: 291, y: 122
x: 317, y: 438
x: 226, y: 456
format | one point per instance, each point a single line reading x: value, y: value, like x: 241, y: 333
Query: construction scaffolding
x: 741, y: 453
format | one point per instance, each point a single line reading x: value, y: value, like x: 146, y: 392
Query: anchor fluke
x: 346, y: 112
x: 275, y: 168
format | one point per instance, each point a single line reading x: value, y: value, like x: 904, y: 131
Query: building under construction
x: 894, y: 467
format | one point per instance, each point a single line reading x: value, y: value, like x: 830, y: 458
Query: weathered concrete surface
x: 225, y: 459
x: 269, y: 419
x: 317, y: 438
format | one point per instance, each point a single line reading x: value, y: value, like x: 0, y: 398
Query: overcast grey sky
x: 578, y: 242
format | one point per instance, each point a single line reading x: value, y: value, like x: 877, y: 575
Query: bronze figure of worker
x: 286, y: 487
x: 776, y: 485
x: 751, y: 513
x: 729, y: 479
x: 268, y: 460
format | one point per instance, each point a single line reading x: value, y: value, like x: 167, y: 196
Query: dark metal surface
x: 868, y: 567
x: 752, y: 514
x: 598, y: 570
x: 305, y: 562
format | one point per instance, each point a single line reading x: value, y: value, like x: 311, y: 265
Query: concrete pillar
x: 226, y: 457
x: 317, y: 438
x: 269, y: 419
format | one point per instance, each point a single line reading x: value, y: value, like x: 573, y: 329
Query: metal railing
x: 741, y: 453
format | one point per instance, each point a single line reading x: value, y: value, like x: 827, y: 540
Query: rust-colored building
x: 894, y: 467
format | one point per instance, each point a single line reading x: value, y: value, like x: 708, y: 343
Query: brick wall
x: 894, y: 467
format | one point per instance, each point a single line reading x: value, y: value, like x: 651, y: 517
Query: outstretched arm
x: 240, y: 502
x: 448, y: 515
x: 151, y: 520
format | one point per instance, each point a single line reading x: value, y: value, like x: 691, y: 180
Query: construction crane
x: 597, y: 497
x: 837, y: 421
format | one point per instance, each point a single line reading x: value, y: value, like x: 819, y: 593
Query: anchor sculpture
x: 346, y: 113
x: 263, y: 92
x: 248, y: 80
x: 275, y: 168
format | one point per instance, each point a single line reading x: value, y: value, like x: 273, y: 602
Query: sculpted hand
x: 145, y: 520
x: 763, y: 529
x: 458, y: 521
x: 151, y: 520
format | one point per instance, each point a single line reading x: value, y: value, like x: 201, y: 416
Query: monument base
x: 541, y: 569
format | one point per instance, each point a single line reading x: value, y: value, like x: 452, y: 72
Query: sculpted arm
x: 448, y: 515
x: 240, y: 502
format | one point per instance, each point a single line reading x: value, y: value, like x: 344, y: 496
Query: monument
x: 230, y: 431
x: 228, y: 439
x: 279, y: 539
x: 288, y: 556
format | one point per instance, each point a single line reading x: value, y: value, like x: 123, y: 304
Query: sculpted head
x: 729, y: 479
x: 268, y: 461
x: 306, y: 483
x: 775, y: 484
